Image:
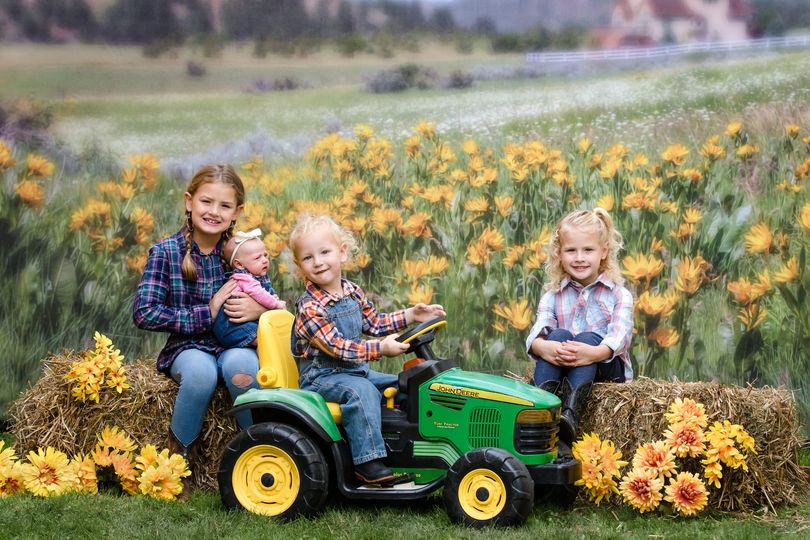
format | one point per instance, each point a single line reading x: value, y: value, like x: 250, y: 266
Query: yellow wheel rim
x: 265, y: 480
x: 482, y: 494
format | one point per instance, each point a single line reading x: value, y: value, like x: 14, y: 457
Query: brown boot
x: 188, y: 452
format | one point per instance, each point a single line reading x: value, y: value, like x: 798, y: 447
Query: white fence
x: 630, y: 53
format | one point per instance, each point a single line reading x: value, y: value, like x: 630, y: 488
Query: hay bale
x: 46, y: 415
x: 632, y: 414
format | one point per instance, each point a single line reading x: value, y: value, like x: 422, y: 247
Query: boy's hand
x: 423, y: 312
x: 389, y: 346
x: 220, y: 297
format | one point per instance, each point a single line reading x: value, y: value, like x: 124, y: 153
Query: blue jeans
x: 231, y: 334
x: 359, y: 392
x: 545, y: 371
x: 198, y: 374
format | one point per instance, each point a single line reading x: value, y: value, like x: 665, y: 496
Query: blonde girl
x: 585, y: 318
x: 182, y: 289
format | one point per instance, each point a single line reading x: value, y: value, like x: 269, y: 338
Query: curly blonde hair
x: 309, y: 222
x: 599, y: 222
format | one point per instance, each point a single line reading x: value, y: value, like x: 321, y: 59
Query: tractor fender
x: 302, y: 407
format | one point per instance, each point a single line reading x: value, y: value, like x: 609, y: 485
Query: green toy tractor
x: 489, y: 441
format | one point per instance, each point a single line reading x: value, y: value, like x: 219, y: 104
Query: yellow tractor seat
x: 277, y: 368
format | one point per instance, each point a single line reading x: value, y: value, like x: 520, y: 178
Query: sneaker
x: 373, y: 472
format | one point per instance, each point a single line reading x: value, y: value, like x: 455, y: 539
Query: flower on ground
x: 687, y: 494
x: 642, y: 489
x: 85, y: 470
x: 48, y: 473
x: 656, y: 457
x: 600, y: 466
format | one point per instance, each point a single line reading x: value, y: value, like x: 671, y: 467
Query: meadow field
x: 704, y: 166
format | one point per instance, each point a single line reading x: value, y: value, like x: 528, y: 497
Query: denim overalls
x: 354, y: 386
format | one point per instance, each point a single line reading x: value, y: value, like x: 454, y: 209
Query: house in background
x: 649, y: 22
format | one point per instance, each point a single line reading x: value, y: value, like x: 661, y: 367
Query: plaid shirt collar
x: 324, y: 297
x: 601, y: 278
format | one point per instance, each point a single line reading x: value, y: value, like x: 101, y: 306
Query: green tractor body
x: 489, y: 441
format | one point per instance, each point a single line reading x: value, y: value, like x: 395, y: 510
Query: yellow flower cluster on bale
x: 99, y: 368
x: 661, y: 469
x: 49, y: 472
x: 601, y: 463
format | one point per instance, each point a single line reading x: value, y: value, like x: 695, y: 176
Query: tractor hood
x: 471, y: 384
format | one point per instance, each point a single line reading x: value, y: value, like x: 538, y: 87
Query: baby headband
x: 241, y: 237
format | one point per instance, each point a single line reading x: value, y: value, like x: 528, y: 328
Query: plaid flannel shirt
x: 167, y: 302
x: 602, y: 307
x: 314, y: 331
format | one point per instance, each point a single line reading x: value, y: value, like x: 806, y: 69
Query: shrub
x: 195, y: 69
x: 459, y: 79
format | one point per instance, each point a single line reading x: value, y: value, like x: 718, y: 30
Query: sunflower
x: 788, y: 272
x: 656, y: 457
x: 665, y: 337
x: 30, y: 193
x: 607, y: 202
x: 675, y: 154
x: 657, y: 305
x: 6, y: 157
x: 733, y: 129
x: 687, y: 494
x: 691, y: 274
x: 640, y: 267
x: 518, y: 314
x: 752, y: 316
x: 641, y: 489
x: 758, y: 239
x: 38, y: 166
x: 48, y: 473
x: 420, y: 294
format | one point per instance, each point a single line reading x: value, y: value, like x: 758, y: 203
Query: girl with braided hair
x: 181, y: 292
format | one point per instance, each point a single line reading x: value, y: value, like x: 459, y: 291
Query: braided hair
x: 207, y: 174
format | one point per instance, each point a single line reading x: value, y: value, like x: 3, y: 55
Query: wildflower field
x: 455, y: 206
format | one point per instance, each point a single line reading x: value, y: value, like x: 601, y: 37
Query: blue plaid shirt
x: 167, y: 302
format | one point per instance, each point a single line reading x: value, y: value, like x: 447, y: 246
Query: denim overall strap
x: 347, y: 317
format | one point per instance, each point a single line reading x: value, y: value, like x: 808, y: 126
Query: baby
x: 246, y: 255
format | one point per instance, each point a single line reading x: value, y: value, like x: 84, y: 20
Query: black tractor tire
x: 489, y: 486
x: 275, y: 470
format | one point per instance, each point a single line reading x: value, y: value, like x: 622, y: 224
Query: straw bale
x: 632, y: 414
x: 46, y: 415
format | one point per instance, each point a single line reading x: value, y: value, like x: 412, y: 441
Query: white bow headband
x: 241, y: 237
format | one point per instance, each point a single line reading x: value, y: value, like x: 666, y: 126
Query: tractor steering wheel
x: 421, y: 329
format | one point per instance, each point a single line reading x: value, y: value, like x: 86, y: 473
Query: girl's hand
x: 547, y: 350
x: 242, y: 308
x: 575, y: 354
x: 220, y: 297
x: 389, y: 346
x: 423, y: 312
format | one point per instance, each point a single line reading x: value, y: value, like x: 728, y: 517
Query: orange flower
x: 758, y: 239
x: 607, y: 202
x: 804, y: 218
x: 518, y: 314
x: 752, y: 316
x: 691, y: 273
x: 642, y: 267
x: 656, y: 457
x: 686, y: 411
x: 657, y: 305
x: 420, y: 294
x: 686, y: 440
x: 687, y: 494
x: 788, y: 272
x: 641, y: 489
x: 38, y: 166
x: 746, y: 292
x: 675, y: 154
x: 31, y: 193
x: 665, y: 336
x: 6, y: 157
x: 48, y: 473
x: 600, y: 466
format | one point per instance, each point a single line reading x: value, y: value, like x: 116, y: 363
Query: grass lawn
x: 116, y: 98
x: 106, y: 516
